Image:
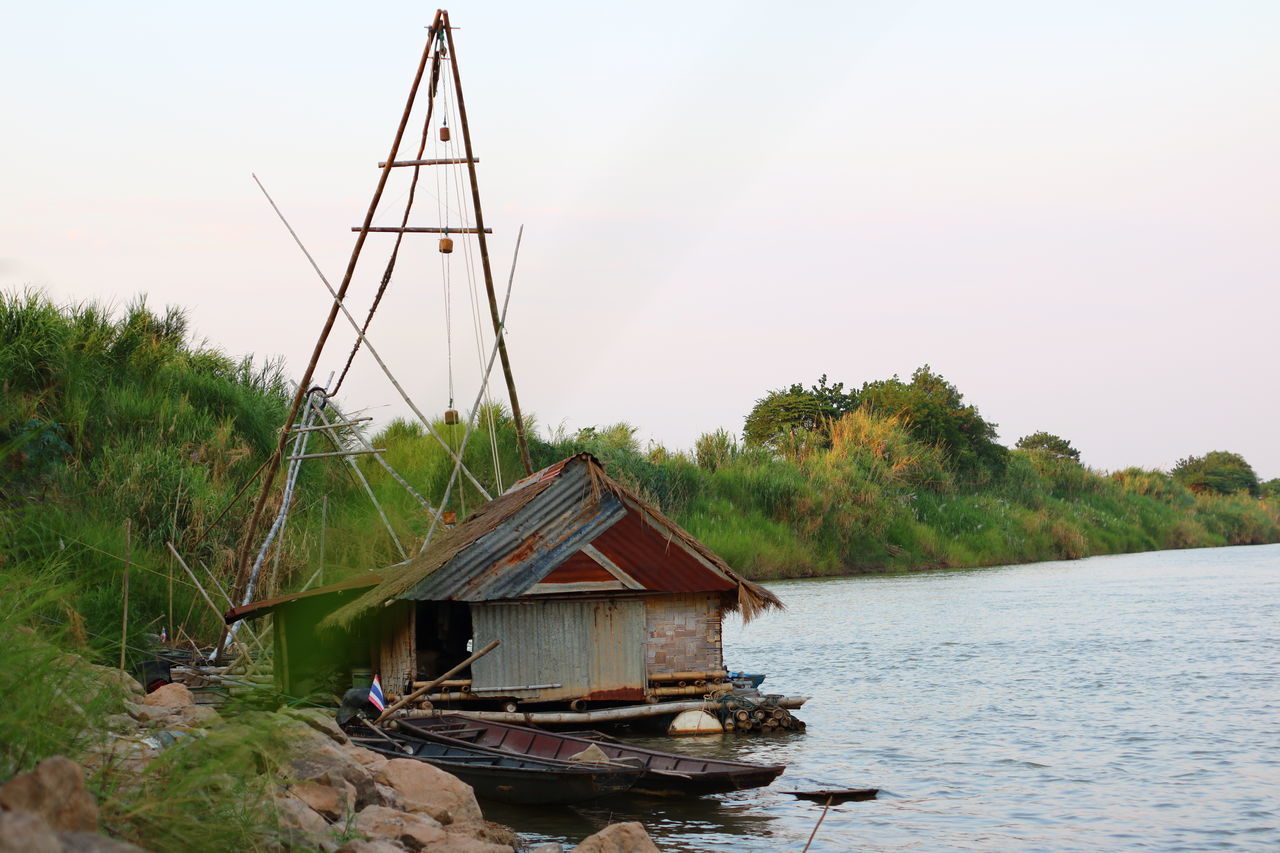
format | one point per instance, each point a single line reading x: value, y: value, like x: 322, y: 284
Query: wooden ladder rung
x: 449, y: 161
x: 431, y: 230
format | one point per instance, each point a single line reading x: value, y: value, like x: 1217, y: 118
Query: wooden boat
x: 506, y: 778
x: 836, y: 796
x: 746, y: 679
x: 666, y: 774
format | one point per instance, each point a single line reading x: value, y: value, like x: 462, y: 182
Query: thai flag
x: 376, y: 698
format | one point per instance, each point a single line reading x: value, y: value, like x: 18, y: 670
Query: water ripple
x: 1117, y: 703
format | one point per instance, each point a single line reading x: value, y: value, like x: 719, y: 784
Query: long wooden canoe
x: 506, y: 778
x: 666, y: 774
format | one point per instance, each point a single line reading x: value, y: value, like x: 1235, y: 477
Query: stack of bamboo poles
x: 665, y: 684
x: 214, y: 685
x: 741, y: 714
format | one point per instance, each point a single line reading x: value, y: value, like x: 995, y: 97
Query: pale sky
x: 1068, y: 209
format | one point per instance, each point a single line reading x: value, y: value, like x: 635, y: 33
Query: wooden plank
x: 448, y: 161
x: 388, y: 229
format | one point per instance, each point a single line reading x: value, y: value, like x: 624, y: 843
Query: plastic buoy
x: 695, y: 723
x: 444, y: 134
x: 446, y: 245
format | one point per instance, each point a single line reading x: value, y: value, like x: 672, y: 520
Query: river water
x: 1115, y: 703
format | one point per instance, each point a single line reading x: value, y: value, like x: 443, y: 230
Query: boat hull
x: 511, y: 779
x: 666, y: 774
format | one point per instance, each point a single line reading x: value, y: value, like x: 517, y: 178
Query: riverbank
x: 878, y: 501
x: 120, y: 433
x: 109, y: 769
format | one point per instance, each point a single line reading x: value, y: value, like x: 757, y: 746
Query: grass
x: 110, y: 417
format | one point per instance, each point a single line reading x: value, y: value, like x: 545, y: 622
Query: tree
x: 1053, y: 445
x: 795, y: 410
x: 1270, y: 489
x: 1218, y: 471
x: 936, y: 413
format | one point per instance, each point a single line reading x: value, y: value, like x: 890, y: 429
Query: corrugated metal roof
x: 658, y: 561
x: 534, y: 540
x: 511, y: 543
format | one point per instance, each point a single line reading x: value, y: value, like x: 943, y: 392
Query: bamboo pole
x: 368, y: 345
x: 324, y: 527
x: 405, y: 700
x: 244, y: 651
x: 823, y: 817
x: 521, y: 439
x: 630, y: 712
x: 174, y: 527
x: 364, y: 481
x: 688, y: 676
x: 246, y: 545
x: 124, y: 617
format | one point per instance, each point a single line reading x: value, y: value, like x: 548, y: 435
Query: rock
x: 55, y: 790
x: 371, y: 847
x: 322, y: 721
x: 27, y: 832
x: 118, y: 722
x: 618, y: 838
x: 317, y: 759
x: 334, y: 802
x: 487, y: 830
x: 460, y: 843
x: 391, y: 797
x: 367, y: 757
x: 549, y: 847
x: 111, y: 675
x: 92, y: 842
x: 152, y: 713
x: 175, y: 695
x: 296, y: 814
x: 122, y: 754
x: 195, y: 716
x: 414, y: 831
x: 428, y: 790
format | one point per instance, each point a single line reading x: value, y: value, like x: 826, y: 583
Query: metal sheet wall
x: 591, y: 649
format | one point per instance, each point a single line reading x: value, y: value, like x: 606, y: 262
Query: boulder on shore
x: 55, y: 791
x: 627, y: 837
x: 429, y: 790
x: 173, y: 695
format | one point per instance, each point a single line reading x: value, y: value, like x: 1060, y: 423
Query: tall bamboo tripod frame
x: 433, y: 55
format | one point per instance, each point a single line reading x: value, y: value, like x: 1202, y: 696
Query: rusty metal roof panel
x: 511, y: 543
x: 524, y: 548
x: 657, y: 561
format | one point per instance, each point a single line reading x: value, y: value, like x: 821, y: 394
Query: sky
x: 1068, y: 209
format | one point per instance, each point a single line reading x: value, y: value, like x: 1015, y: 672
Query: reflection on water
x: 1117, y: 703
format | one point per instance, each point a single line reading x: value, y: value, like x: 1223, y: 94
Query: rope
x: 477, y: 314
x: 404, y: 220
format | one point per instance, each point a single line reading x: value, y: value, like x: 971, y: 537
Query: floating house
x: 595, y: 596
